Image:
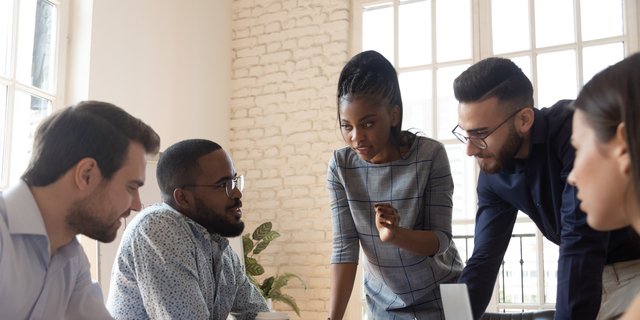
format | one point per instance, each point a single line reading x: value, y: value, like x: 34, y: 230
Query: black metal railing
x: 521, y: 261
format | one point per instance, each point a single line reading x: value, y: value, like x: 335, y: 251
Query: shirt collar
x: 23, y: 214
x: 539, y: 129
x: 197, y: 229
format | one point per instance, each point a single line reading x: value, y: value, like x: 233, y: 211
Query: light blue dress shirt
x: 170, y: 267
x: 34, y: 284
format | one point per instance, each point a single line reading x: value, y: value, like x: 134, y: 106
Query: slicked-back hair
x: 613, y: 97
x: 178, y: 165
x: 369, y: 74
x: 495, y: 77
x: 90, y: 129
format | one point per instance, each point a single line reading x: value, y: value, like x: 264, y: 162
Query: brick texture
x: 287, y: 57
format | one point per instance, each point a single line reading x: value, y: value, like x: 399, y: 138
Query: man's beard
x: 506, y: 154
x: 216, y: 222
x: 84, y: 218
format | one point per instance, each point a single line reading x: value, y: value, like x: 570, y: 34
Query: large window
x: 30, y: 80
x: 559, y: 44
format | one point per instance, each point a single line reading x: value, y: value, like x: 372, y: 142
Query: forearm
x: 342, y: 277
x: 418, y: 242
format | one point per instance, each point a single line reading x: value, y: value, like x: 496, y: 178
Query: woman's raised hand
x: 387, y: 221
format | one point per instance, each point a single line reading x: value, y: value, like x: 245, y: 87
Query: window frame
x: 482, y: 48
x: 57, y: 94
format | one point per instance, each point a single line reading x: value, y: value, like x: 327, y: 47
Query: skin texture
x: 602, y: 174
x: 365, y: 124
x: 601, y: 171
x: 210, y: 206
x: 508, y: 142
x: 82, y: 201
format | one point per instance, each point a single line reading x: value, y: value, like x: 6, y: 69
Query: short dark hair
x: 178, y: 165
x: 613, y: 97
x: 90, y: 129
x: 495, y: 77
x: 370, y: 74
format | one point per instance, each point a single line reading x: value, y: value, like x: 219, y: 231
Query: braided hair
x: 369, y: 74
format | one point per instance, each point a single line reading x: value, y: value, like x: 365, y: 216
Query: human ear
x: 182, y: 198
x: 395, y: 115
x: 622, y: 150
x: 86, y: 174
x: 524, y: 121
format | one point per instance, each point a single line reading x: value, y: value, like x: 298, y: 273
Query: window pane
x: 377, y: 29
x: 465, y: 247
x: 28, y: 111
x: 554, y: 22
x: 447, y: 103
x: 525, y: 64
x: 597, y: 58
x: 414, y: 24
x: 551, y: 253
x: 3, y: 123
x: 601, y: 19
x: 36, y: 44
x: 556, y: 77
x: 463, y: 171
x: 6, y: 18
x: 510, y: 25
x: 518, y: 277
x: 417, y: 100
x: 453, y: 30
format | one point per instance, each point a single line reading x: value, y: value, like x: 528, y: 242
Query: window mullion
x: 533, y: 55
x: 630, y: 12
x: 434, y: 71
x: 13, y: 55
x: 396, y: 34
x: 34, y: 91
x: 541, y: 275
x: 578, y: 34
x: 11, y: 94
x: 482, y: 33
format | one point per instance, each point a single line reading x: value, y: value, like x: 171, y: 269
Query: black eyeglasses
x: 477, y: 141
x: 229, y: 185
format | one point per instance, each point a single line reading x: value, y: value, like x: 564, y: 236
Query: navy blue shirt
x: 538, y: 187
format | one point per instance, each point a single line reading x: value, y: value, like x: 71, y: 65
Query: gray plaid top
x: 398, y: 284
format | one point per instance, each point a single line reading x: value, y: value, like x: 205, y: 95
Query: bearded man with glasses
x: 174, y: 261
x: 525, y: 157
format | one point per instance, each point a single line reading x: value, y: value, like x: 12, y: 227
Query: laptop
x: 455, y: 301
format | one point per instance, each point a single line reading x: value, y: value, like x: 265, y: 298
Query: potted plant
x: 270, y: 287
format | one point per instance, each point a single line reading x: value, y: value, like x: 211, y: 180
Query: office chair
x: 536, y: 315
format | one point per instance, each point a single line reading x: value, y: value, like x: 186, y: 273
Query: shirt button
x: 537, y: 203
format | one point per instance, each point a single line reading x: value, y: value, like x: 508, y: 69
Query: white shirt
x: 34, y: 284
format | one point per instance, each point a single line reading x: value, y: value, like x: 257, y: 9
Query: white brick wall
x: 287, y: 57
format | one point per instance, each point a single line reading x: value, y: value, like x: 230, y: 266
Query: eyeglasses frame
x: 460, y: 136
x: 237, y: 182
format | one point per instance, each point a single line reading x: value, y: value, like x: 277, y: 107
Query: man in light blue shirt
x: 174, y: 261
x: 87, y: 164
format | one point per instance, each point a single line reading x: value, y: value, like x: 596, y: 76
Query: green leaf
x: 291, y: 275
x: 289, y: 300
x: 261, y: 231
x: 266, y: 285
x: 254, y: 282
x: 252, y: 267
x: 270, y: 236
x: 261, y: 246
x: 282, y: 280
x: 247, y: 244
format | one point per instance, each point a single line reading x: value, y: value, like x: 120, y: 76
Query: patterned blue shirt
x: 398, y: 284
x: 170, y: 267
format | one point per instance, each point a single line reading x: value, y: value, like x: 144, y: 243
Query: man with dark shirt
x: 525, y: 157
